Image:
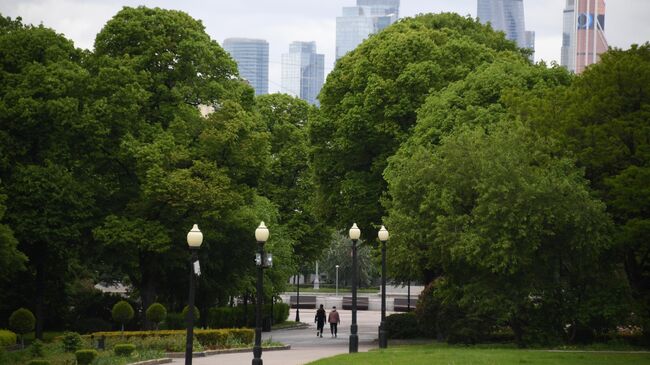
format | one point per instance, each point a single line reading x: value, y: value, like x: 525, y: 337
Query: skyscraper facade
x: 583, y: 38
x: 508, y: 17
x: 252, y: 57
x: 359, y: 22
x: 303, y: 71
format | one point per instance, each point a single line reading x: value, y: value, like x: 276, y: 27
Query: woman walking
x: 320, y: 321
x: 334, y: 321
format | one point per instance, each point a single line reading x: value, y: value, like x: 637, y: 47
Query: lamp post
x: 355, y: 233
x: 337, y: 280
x: 194, y: 240
x: 383, y: 237
x: 261, y: 235
x: 298, y: 297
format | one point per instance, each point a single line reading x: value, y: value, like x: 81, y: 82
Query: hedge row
x: 231, y: 317
x: 7, y: 338
x: 213, y: 338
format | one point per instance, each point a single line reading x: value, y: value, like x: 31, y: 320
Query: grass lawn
x: 452, y: 355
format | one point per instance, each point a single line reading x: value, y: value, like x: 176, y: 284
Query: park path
x: 305, y: 346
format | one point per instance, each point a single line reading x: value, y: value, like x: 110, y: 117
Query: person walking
x: 334, y: 321
x: 320, y: 321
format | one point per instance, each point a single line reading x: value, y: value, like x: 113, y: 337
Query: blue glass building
x: 252, y: 57
x: 359, y: 22
x: 508, y: 17
x: 303, y: 71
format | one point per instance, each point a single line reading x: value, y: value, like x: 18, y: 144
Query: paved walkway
x: 305, y: 346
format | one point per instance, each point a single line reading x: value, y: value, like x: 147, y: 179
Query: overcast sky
x: 282, y: 21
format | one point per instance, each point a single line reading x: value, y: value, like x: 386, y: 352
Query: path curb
x: 164, y: 360
x: 180, y: 355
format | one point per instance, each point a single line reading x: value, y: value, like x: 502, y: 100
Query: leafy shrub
x: 197, y: 313
x: 7, y: 338
x: 36, y: 348
x: 280, y: 312
x: 85, y: 357
x: 172, y: 343
x: 174, y: 321
x: 156, y: 313
x: 71, y: 341
x: 122, y: 312
x: 226, y: 317
x: 38, y: 362
x: 124, y: 349
x: 89, y: 325
x: 212, y: 338
x: 22, y: 321
x: 402, y: 325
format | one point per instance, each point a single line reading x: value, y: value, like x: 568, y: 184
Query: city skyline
x: 505, y: 15
x: 281, y: 23
x: 583, y: 38
x: 303, y: 71
x: 252, y: 57
x: 357, y: 23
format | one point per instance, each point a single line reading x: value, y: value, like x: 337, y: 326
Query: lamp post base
x: 383, y: 341
x: 354, y: 343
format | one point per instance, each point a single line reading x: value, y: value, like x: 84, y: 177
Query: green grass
x: 451, y: 355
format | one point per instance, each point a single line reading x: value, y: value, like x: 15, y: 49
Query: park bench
x: 402, y: 304
x: 306, y: 301
x: 362, y: 303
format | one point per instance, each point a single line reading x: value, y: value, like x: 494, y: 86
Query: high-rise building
x: 359, y: 22
x: 508, y: 17
x: 583, y: 38
x: 252, y: 57
x: 303, y: 71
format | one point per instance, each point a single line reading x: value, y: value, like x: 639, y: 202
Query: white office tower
x: 358, y: 22
x: 303, y: 71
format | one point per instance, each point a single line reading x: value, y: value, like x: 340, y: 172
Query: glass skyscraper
x: 583, y: 38
x: 358, y: 22
x: 252, y: 57
x: 303, y: 71
x: 508, y: 17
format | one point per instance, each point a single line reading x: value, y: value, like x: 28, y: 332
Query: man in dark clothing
x: 320, y: 321
x: 334, y: 321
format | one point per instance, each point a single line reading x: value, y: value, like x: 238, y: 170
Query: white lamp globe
x: 195, y: 237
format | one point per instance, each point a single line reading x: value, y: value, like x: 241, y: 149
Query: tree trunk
x: 148, y: 287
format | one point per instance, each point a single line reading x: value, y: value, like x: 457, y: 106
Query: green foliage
x: 213, y: 338
x: 122, y: 312
x: 7, y: 338
x: 22, y: 321
x: 36, y: 348
x: 197, y: 313
x: 71, y: 341
x: 174, y: 321
x: 38, y: 362
x: 124, y: 349
x: 369, y: 104
x: 156, y: 313
x: 233, y: 317
x: 402, y: 325
x: 339, y: 253
x: 85, y: 357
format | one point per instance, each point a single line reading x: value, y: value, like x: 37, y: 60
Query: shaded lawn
x: 451, y: 355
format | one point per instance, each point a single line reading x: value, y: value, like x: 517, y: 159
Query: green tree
x: 339, y: 253
x: 156, y: 313
x: 22, y: 321
x: 11, y: 259
x: 369, y: 103
x: 122, y: 313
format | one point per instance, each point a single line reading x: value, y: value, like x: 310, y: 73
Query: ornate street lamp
x: 261, y: 235
x: 355, y: 233
x: 383, y: 237
x: 194, y: 240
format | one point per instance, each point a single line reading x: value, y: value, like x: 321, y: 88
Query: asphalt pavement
x: 305, y: 346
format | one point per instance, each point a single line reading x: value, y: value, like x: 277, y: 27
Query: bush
x: 38, y: 362
x: 89, y: 325
x: 197, y: 314
x: 280, y: 312
x: 36, y: 348
x: 124, y: 349
x: 174, y: 321
x: 22, y: 321
x: 156, y: 313
x: 402, y: 325
x: 226, y: 317
x: 85, y: 357
x: 7, y: 338
x: 122, y: 312
x: 212, y: 338
x: 71, y: 341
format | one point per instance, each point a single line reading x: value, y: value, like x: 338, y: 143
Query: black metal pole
x: 354, y: 339
x: 298, y: 298
x: 190, y: 314
x: 383, y: 341
x: 408, y: 296
x: 257, y: 349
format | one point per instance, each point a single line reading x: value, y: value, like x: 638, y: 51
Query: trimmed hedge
x: 7, y: 338
x: 85, y: 357
x: 156, y: 313
x: 233, y: 317
x: 402, y: 325
x: 213, y: 338
x: 124, y: 349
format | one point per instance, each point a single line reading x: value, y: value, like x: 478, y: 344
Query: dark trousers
x: 333, y: 328
x: 319, y: 326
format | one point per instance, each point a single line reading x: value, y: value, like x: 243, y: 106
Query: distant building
x: 583, y: 38
x: 252, y: 57
x: 508, y: 17
x: 359, y: 22
x: 303, y: 71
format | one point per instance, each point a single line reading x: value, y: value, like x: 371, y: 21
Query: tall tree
x: 369, y: 103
